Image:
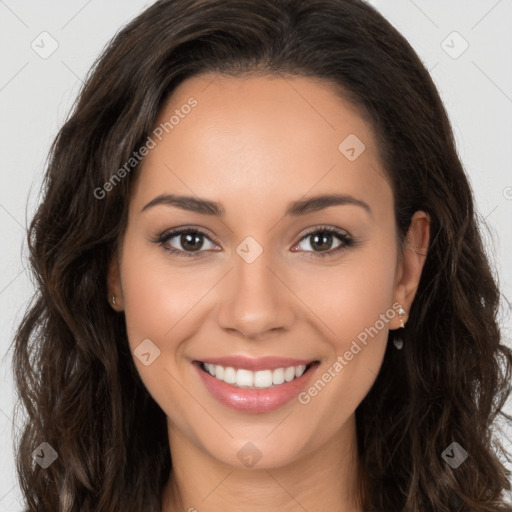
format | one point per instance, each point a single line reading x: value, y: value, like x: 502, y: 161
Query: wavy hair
x: 73, y: 369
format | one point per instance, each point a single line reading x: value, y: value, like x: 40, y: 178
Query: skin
x: 255, y: 144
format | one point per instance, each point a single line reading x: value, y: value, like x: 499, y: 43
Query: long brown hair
x: 73, y: 368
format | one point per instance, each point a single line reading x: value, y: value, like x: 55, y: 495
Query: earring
x: 401, y: 314
x: 113, y: 299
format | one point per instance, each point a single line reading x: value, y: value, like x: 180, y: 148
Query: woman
x: 261, y: 284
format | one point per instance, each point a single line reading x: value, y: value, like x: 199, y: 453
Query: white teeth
x: 289, y: 374
x: 219, y: 372
x: 260, y: 379
x: 278, y: 376
x: 244, y: 378
x: 263, y: 379
x: 299, y: 370
x: 229, y: 375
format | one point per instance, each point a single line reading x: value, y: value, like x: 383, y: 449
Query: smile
x: 261, y: 379
x: 255, y: 385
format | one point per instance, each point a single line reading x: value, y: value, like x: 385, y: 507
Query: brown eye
x: 324, y: 242
x: 191, y: 241
x: 185, y: 242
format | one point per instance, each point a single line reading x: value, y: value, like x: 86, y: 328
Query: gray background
x: 36, y: 94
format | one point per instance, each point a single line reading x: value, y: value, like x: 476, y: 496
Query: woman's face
x: 297, y: 263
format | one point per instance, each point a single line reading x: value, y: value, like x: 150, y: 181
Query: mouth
x: 261, y: 379
x: 255, y: 385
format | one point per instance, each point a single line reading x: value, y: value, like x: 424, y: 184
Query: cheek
x: 148, y: 299
x: 350, y: 297
x: 159, y: 305
x: 152, y: 308
x: 356, y: 305
x: 159, y: 298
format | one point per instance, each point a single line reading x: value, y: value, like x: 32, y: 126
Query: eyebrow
x: 295, y: 208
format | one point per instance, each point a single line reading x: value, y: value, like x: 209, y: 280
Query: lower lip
x: 254, y: 400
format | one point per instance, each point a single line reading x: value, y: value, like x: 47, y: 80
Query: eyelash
x: 345, y: 239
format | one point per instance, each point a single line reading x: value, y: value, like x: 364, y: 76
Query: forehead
x: 251, y: 139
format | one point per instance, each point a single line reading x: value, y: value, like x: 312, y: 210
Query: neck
x: 324, y: 479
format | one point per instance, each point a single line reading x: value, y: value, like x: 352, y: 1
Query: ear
x: 410, y: 264
x: 115, y: 291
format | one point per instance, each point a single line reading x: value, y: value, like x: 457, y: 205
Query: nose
x: 255, y: 299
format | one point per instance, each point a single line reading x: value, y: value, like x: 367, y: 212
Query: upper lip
x: 254, y: 364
